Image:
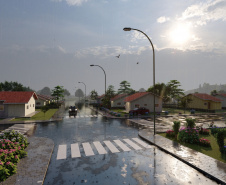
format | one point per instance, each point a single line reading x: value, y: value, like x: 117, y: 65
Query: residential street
x: 92, y: 150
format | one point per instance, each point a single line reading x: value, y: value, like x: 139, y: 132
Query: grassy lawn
x: 120, y: 111
x: 39, y: 116
x: 212, y: 151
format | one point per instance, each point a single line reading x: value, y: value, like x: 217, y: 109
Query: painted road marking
x: 99, y: 147
x: 135, y: 146
x: 75, y: 152
x: 122, y: 145
x: 62, y: 152
x: 142, y: 143
x: 111, y: 147
x: 87, y: 149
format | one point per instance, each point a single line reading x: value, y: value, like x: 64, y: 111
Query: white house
x: 222, y: 97
x: 17, y: 103
x: 143, y: 99
x: 118, y: 100
x: 43, y: 100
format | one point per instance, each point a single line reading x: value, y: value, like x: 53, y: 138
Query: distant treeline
x: 207, y: 88
x: 13, y: 86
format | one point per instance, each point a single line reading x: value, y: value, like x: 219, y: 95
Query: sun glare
x: 180, y: 33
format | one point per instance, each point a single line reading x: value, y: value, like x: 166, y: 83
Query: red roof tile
x: 16, y: 97
x: 204, y: 96
x: 136, y: 96
x: 118, y: 97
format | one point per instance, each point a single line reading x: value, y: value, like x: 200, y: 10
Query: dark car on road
x: 141, y: 110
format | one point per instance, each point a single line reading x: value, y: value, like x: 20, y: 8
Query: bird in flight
x: 137, y: 62
x: 118, y: 56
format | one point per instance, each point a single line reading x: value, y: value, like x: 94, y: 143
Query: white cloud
x: 72, y: 2
x: 163, y: 19
x: 205, y: 12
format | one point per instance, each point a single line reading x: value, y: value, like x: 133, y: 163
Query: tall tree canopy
x: 93, y: 95
x: 58, y: 92
x: 175, y: 91
x: 79, y: 93
x: 125, y: 88
x: 13, y: 86
x: 110, y: 93
x: 45, y: 91
x: 66, y: 92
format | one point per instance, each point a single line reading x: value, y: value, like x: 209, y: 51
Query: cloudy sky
x: 53, y: 42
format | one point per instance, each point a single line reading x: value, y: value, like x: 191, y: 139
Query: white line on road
x: 62, y: 152
x: 75, y: 152
x: 132, y: 144
x: 87, y: 149
x: 122, y: 145
x: 111, y: 147
x: 142, y: 143
x: 99, y: 147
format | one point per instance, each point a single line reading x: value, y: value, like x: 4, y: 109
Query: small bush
x: 176, y: 127
x: 204, y: 131
x: 220, y: 139
x: 170, y: 133
x: 190, y: 123
x: 204, y: 142
x: 188, y: 135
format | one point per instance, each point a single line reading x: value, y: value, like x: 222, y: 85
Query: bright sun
x: 180, y: 33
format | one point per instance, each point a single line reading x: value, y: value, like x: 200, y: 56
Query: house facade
x: 43, y: 100
x: 143, y: 99
x: 223, y: 98
x: 17, y: 103
x: 118, y: 101
x: 204, y: 101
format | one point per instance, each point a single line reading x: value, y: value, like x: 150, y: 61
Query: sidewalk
x: 32, y: 169
x: 210, y: 167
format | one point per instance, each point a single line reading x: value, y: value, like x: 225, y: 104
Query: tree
x: 44, y: 109
x: 110, y: 93
x: 13, y: 86
x: 45, y: 91
x: 142, y: 90
x: 184, y: 102
x: 66, y: 92
x: 125, y: 88
x: 173, y: 88
x: 161, y: 90
x: 79, y: 93
x: 58, y: 92
x: 213, y: 92
x: 93, y: 95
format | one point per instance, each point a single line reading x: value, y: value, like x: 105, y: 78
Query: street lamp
x: 85, y: 89
x: 104, y: 74
x: 129, y: 29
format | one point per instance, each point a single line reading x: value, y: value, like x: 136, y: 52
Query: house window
x: 38, y: 103
x: 205, y: 104
x: 137, y: 105
x: 156, y: 105
x: 145, y: 105
x: 1, y: 107
x: 33, y: 105
x: 27, y: 106
x: 118, y: 103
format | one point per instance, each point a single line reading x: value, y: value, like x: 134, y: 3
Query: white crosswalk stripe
x: 62, y: 152
x: 75, y: 152
x: 100, y: 149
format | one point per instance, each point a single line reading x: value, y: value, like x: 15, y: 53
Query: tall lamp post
x: 129, y: 29
x: 104, y: 74
x: 85, y: 89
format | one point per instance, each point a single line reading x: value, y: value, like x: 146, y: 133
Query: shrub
x: 220, y: 139
x: 170, y: 133
x: 204, y: 131
x: 176, y: 127
x: 204, y: 142
x: 12, y: 145
x: 188, y: 135
x: 190, y: 123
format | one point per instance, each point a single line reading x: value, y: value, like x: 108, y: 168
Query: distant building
x: 204, y: 101
x: 143, y: 99
x: 43, y: 100
x: 118, y: 101
x: 223, y: 98
x: 17, y: 103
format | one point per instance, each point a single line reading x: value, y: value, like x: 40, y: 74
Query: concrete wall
x: 118, y: 103
x: 15, y: 110
x: 30, y: 106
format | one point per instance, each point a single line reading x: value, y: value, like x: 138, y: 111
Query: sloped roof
x: 118, y: 97
x: 16, y: 97
x: 45, y: 97
x: 204, y: 96
x: 136, y: 96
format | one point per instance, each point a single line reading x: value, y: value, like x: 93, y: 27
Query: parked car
x: 141, y: 110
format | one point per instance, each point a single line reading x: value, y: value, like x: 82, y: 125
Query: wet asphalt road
x: 144, y: 166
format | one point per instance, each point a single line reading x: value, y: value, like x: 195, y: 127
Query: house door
x: 208, y: 105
